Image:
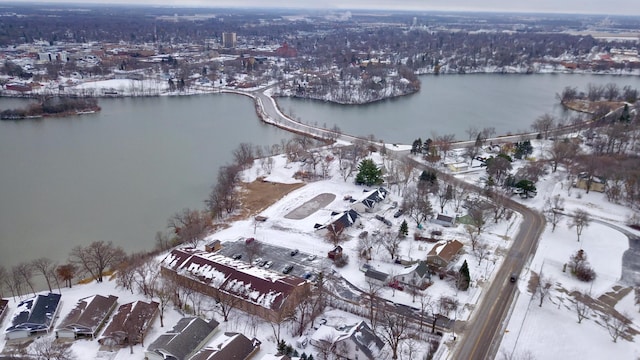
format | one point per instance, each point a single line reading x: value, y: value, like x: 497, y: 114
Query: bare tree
x: 391, y: 243
x: 244, y: 155
x: 47, y: 348
x: 394, y: 329
x: 553, y: 210
x: 253, y: 249
x: 444, y: 193
x: 417, y: 205
x: 45, y: 267
x: 543, y: 125
x: 478, y: 219
x: 460, y: 192
x: 371, y: 292
x: 97, y: 257
x: 481, y: 251
x: 562, y: 152
x: 24, y: 271
x: 616, y: 324
x: 580, y: 220
x: 542, y: 286
x: 190, y: 226
x: 581, y: 305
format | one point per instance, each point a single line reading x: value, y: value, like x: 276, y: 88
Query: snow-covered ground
x: 554, y: 324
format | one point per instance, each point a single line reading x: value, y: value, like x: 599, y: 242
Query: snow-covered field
x: 546, y: 332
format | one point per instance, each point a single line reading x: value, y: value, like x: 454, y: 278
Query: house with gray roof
x: 339, y: 223
x: 231, y: 346
x: 444, y: 220
x: 418, y: 275
x: 371, y: 200
x: 34, y: 316
x: 357, y: 341
x: 88, y: 317
x: 188, y: 336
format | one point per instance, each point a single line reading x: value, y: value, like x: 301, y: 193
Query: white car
x: 268, y: 264
x: 256, y: 261
x: 311, y: 257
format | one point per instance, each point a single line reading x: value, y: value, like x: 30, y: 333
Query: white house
x: 352, y: 342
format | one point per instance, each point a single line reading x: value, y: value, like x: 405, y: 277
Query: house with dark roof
x: 188, y: 336
x: 87, y: 318
x: 340, y: 222
x: 232, y: 346
x: 34, y: 316
x: 130, y: 324
x: 255, y: 290
x: 371, y: 200
x: 443, y: 252
x: 4, y: 305
x: 357, y: 341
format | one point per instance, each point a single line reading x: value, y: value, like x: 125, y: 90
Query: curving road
x: 483, y: 334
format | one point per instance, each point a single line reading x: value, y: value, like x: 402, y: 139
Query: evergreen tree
x: 310, y: 357
x: 416, y: 147
x: 368, y: 173
x: 404, y: 229
x: 464, y: 279
x: 282, y: 348
x: 527, y: 186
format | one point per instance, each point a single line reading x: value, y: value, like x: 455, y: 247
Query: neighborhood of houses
x: 225, y: 271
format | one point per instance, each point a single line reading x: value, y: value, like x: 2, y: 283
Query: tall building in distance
x: 229, y: 40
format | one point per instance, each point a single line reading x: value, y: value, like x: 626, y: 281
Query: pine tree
x: 464, y: 279
x: 404, y: 229
x: 282, y: 347
x: 368, y: 173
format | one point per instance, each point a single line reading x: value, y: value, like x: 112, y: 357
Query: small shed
x: 336, y: 253
x: 213, y: 246
x: 376, y: 276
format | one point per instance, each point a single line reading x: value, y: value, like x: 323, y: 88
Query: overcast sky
x: 631, y: 7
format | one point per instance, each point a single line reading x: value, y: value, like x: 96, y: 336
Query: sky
x: 630, y: 7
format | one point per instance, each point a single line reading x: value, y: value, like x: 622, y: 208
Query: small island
x: 53, y: 107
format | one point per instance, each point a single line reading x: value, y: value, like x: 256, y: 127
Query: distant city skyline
x: 613, y: 7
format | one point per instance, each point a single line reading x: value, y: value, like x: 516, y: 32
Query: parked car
x: 256, y: 262
x: 237, y: 256
x: 294, y: 252
x: 311, y: 257
x: 268, y: 264
x: 398, y: 213
x: 287, y: 269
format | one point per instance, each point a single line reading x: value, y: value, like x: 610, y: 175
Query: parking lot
x: 303, y: 264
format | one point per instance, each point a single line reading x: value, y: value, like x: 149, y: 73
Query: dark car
x: 294, y: 252
x: 398, y: 213
x: 287, y: 269
x: 237, y: 256
x: 513, y: 277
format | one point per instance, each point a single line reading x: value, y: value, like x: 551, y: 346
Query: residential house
x: 371, y: 200
x: 188, y: 336
x: 377, y: 277
x: 357, y: 341
x: 444, y: 220
x: 34, y: 316
x: 130, y: 324
x: 232, y: 346
x: 4, y: 306
x: 256, y: 290
x: 88, y: 317
x: 339, y: 223
x: 442, y: 253
x: 417, y: 276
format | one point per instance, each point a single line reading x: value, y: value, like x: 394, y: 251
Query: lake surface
x: 119, y: 174
x: 116, y: 175
x: 450, y: 104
